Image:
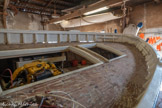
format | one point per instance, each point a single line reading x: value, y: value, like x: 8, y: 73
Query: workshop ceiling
x: 58, y: 10
x: 56, y: 7
x: 46, y: 7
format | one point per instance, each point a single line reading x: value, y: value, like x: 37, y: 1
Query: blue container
x: 115, y: 31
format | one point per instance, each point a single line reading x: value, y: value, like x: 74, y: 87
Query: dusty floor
x: 159, y: 100
x: 111, y: 85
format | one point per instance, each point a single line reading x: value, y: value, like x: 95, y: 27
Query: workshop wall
x: 148, y: 13
x: 27, y: 21
x: 108, y: 27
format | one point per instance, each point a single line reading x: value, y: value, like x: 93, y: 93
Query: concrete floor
x: 159, y: 100
x: 110, y: 85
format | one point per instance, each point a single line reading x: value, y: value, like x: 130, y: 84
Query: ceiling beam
x: 33, y: 12
x: 44, y: 2
x: 72, y: 8
x: 35, y: 8
x: 46, y: 6
x: 32, y: 9
x: 65, y: 2
x: 81, y: 11
x: 49, y: 3
x: 26, y: 4
x: 58, y: 1
x: 6, y: 3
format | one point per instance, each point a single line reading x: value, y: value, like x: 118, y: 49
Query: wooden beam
x: 26, y: 4
x: 34, y: 12
x: 4, y: 22
x: 80, y: 12
x: 2, y: 13
x: 6, y: 2
x: 49, y: 3
x: 58, y: 1
x: 72, y: 9
x: 40, y: 1
x: 65, y: 2
x: 29, y: 8
x: 32, y: 9
x: 44, y: 2
x: 46, y: 5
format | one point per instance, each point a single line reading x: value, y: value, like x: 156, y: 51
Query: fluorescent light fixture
x: 97, y: 10
x: 58, y: 22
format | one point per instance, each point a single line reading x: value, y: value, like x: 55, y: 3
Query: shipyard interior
x: 80, y: 54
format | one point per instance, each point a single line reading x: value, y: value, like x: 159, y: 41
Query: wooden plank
x: 117, y: 52
x: 58, y: 1
x: 84, y: 10
x: 94, y: 53
x: 30, y: 52
x: 53, y: 59
x: 85, y: 54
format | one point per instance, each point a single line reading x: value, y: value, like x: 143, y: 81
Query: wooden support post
x: 58, y: 38
x: 34, y: 38
x: 68, y: 38
x: 21, y: 38
x: 86, y: 37
x: 77, y: 37
x: 6, y: 2
x: 45, y: 38
x: 103, y: 38
x: 5, y: 38
x: 94, y: 38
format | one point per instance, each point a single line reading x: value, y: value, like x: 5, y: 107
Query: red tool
x: 83, y: 62
x: 75, y: 63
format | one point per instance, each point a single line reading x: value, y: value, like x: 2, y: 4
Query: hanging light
x: 96, y: 10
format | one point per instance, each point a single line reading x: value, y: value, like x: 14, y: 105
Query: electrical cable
x: 63, y: 93
x: 68, y: 99
x: 51, y: 94
x: 9, y: 70
x: 41, y: 102
x: 8, y: 100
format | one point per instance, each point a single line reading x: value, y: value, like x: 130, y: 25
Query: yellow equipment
x: 36, y: 71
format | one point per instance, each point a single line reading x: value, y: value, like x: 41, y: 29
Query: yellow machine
x: 35, y: 71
